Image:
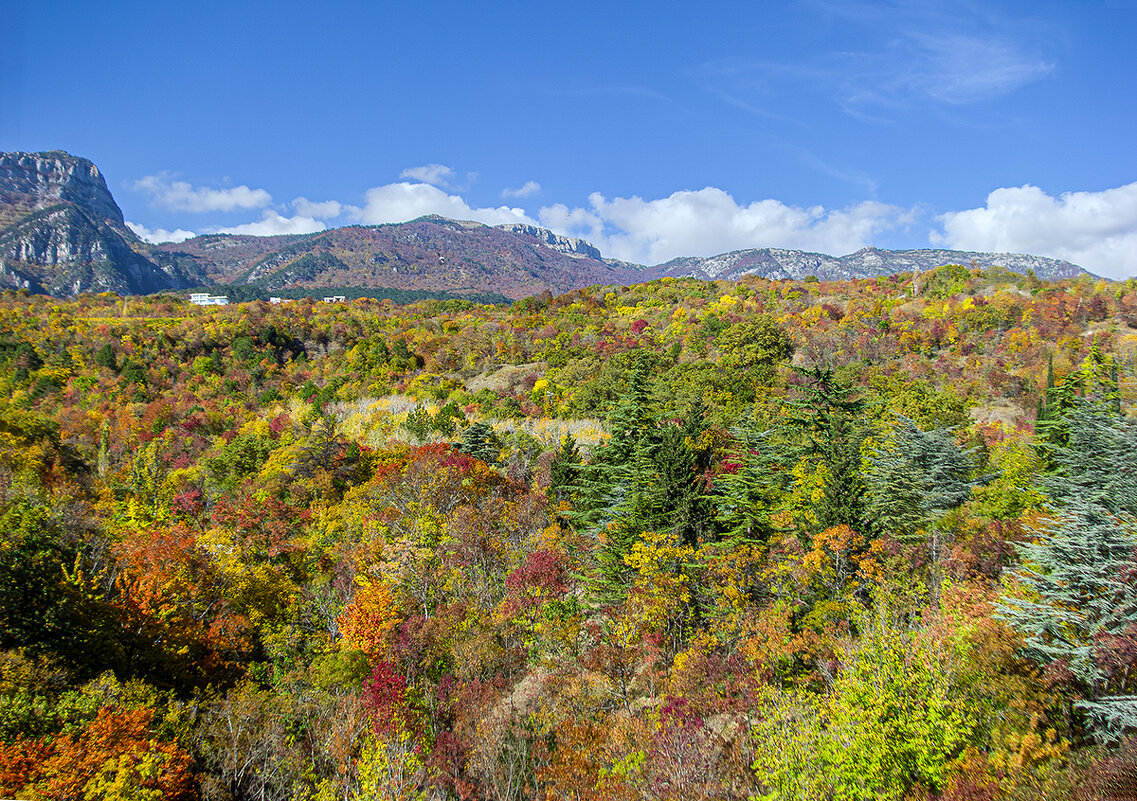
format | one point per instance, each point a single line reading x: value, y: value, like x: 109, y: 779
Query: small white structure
x: 279, y: 300
x: 205, y: 299
x: 336, y: 299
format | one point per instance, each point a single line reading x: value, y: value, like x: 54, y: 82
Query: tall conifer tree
x: 915, y: 479
x: 748, y: 497
x: 829, y: 417
x: 1078, y: 603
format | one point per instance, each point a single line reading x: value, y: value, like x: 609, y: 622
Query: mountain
x: 797, y: 264
x: 431, y: 254
x: 61, y: 232
x: 435, y: 254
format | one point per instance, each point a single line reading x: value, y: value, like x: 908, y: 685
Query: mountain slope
x: 428, y: 254
x: 61, y: 232
x: 797, y: 264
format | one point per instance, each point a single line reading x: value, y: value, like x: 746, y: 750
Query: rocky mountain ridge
x: 430, y: 253
x: 61, y: 233
x: 779, y: 263
x: 568, y: 245
x: 30, y: 181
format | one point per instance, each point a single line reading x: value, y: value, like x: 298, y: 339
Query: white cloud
x: 323, y: 210
x: 709, y: 221
x: 960, y: 69
x: 914, y: 55
x: 529, y: 188
x: 434, y: 174
x: 183, y: 196
x: 273, y: 224
x: 159, y: 234
x: 401, y: 202
x: 1095, y: 230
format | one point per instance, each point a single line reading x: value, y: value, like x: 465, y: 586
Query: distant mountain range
x: 61, y: 233
x: 780, y: 263
x: 430, y: 254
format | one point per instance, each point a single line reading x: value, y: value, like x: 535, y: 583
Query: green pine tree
x: 828, y: 423
x: 105, y: 357
x: 1080, y: 583
x: 608, y: 483
x: 481, y: 442
x: 626, y: 469
x: 747, y: 498
x: 1077, y: 602
x: 646, y: 478
x: 915, y: 478
x: 1096, y: 376
x: 1099, y: 462
x: 673, y: 497
x: 564, y: 471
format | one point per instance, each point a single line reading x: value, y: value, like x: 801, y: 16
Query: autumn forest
x: 685, y: 539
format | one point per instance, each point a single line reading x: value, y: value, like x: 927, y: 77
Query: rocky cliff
x: 30, y: 181
x: 570, y: 246
x: 61, y: 232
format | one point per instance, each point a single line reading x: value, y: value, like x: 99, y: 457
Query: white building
x: 205, y: 299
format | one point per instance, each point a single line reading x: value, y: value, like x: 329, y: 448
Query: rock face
x: 562, y: 244
x: 797, y: 264
x: 61, y: 232
x: 39, y: 180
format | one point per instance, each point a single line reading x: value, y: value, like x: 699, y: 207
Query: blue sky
x: 652, y: 129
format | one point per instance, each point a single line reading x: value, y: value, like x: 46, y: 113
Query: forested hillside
x: 680, y: 540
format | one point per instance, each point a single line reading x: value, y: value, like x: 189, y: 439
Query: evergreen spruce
x: 683, y: 470
x: 1099, y: 462
x: 1080, y: 575
x: 747, y: 498
x: 630, y: 463
x: 829, y: 419
x: 646, y: 478
x: 105, y: 357
x: 606, y: 484
x: 480, y: 442
x: 676, y: 499
x: 1081, y: 597
x: 564, y: 471
x: 915, y: 479
x: 1097, y: 377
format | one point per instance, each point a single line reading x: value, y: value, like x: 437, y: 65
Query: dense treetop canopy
x: 673, y: 540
